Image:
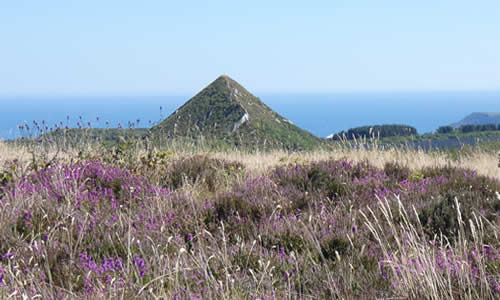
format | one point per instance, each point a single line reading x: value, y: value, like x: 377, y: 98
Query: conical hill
x: 227, y: 112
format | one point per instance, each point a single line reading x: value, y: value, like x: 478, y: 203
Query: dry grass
x: 484, y: 163
x: 8, y: 153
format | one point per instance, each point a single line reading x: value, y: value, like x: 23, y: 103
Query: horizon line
x: 257, y: 93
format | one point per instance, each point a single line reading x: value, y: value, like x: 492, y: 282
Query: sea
x: 320, y: 113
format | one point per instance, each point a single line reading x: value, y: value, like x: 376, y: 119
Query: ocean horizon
x: 320, y: 113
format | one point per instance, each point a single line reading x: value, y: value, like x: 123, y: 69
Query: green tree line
x: 468, y: 128
x: 376, y: 131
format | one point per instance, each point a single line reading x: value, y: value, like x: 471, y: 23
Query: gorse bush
x: 129, y: 224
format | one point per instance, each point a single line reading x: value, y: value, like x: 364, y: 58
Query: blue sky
x: 123, y: 47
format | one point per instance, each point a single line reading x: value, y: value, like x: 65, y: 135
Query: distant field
x: 129, y: 220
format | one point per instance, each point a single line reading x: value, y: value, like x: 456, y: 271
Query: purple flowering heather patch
x: 94, y: 229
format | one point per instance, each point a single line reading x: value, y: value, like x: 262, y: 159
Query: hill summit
x: 479, y: 118
x: 226, y: 111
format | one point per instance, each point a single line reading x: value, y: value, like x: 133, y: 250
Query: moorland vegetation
x: 86, y: 219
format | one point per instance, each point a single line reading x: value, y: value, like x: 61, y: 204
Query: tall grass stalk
x: 413, y: 260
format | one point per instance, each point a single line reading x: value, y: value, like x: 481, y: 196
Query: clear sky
x: 101, y: 47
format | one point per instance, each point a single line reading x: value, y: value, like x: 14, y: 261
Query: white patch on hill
x: 288, y: 121
x: 243, y: 119
x: 330, y: 136
x: 233, y: 95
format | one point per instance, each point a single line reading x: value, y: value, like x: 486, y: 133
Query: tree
x: 487, y: 127
x: 445, y: 129
x: 467, y: 128
x: 380, y: 131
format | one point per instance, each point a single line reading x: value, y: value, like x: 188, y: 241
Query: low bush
x: 199, y: 168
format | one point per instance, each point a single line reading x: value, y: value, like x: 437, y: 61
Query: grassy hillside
x: 181, y: 222
x: 479, y: 118
x: 227, y: 112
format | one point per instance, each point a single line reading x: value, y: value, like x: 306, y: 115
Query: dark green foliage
x: 445, y: 129
x: 336, y: 244
x: 318, y: 180
x: 285, y: 242
x: 229, y: 204
x: 475, y: 194
x: 477, y: 128
x: 481, y: 136
x: 369, y: 263
x: 467, y: 128
x: 496, y: 206
x: 237, y: 213
x: 396, y: 170
x: 442, y: 217
x: 5, y: 178
x: 486, y: 127
x: 290, y: 241
x: 335, y: 188
x: 377, y: 131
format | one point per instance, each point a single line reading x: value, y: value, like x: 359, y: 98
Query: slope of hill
x: 227, y: 112
x: 479, y: 118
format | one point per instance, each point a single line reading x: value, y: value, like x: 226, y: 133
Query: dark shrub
x: 5, y: 178
x: 290, y: 241
x: 230, y: 204
x: 380, y: 130
x: 338, y: 244
x: 251, y: 200
x: 442, y: 216
x: 316, y: 180
x: 335, y: 188
x: 467, y: 128
x: 238, y: 215
x: 475, y: 194
x: 487, y: 127
x: 445, y: 129
x: 322, y: 178
x: 396, y: 171
x: 459, y: 179
x: 433, y: 172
